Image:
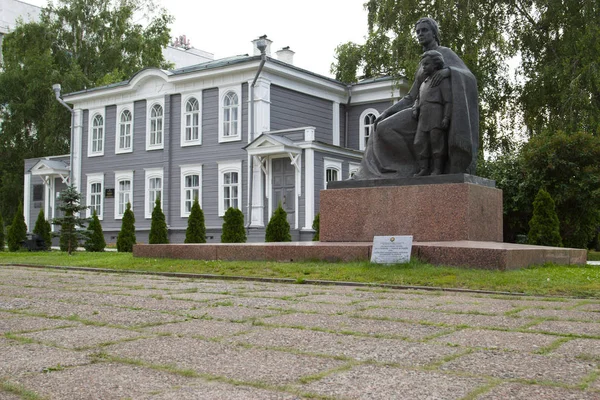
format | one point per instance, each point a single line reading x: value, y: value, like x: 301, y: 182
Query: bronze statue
x: 391, y: 151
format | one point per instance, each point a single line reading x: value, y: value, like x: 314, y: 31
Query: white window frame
x: 92, y: 179
x: 122, y: 176
x: 184, y: 113
x: 353, y: 168
x: 361, y: 129
x: 152, y: 173
x: 186, y: 170
x: 329, y: 163
x: 223, y: 91
x: 151, y: 104
x: 118, y: 148
x: 227, y: 167
x: 92, y: 116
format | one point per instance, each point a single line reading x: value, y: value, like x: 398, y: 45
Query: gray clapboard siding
x: 354, y: 112
x: 291, y: 109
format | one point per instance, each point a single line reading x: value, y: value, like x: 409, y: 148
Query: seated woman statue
x: 390, y: 151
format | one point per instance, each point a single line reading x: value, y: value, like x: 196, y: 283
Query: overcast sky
x: 312, y: 28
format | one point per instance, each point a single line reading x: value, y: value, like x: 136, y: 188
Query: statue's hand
x: 440, y: 75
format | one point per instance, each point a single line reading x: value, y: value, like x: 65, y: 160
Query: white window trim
x: 197, y: 142
x: 91, y: 116
x: 329, y: 163
x: 361, y: 127
x: 352, y: 168
x: 120, y: 109
x: 151, y: 103
x: 237, y: 89
x: 149, y: 174
x: 195, y: 169
x: 91, y: 179
x: 120, y: 176
x: 224, y: 167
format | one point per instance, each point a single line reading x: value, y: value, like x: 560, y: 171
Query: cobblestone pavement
x: 91, y: 335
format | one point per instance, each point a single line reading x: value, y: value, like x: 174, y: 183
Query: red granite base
x: 444, y: 212
x: 470, y: 254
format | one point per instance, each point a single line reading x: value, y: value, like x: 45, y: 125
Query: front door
x: 284, y: 187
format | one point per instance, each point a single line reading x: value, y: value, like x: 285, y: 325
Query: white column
x: 309, y: 188
x: 336, y: 123
x: 258, y: 204
x: 262, y: 107
x: 76, y: 148
x: 26, y: 200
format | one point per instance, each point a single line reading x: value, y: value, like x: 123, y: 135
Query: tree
x: 196, y: 230
x: 17, y: 231
x: 70, y: 222
x: 233, y: 227
x: 126, y: 238
x: 544, y: 225
x: 158, y: 227
x: 95, y: 241
x: 43, y: 228
x: 278, y: 228
x: 317, y: 227
x: 1, y: 233
x: 64, y: 47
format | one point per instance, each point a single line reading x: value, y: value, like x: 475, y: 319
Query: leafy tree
x: 1, y: 233
x: 158, y: 226
x: 64, y: 47
x: 278, y: 228
x: 317, y: 227
x: 196, y: 230
x: 17, y: 231
x: 126, y: 238
x: 95, y: 241
x: 43, y: 228
x: 70, y: 222
x: 544, y: 226
x: 233, y: 227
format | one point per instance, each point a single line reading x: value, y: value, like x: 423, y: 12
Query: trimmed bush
x: 544, y: 227
x: 196, y: 230
x: 70, y: 205
x: 316, y: 226
x: 126, y: 237
x: 158, y: 227
x: 95, y: 241
x: 17, y: 232
x: 1, y: 233
x: 278, y: 228
x: 233, y: 227
x: 42, y: 228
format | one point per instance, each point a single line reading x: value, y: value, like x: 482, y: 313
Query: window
x: 191, y: 132
x: 230, y: 189
x: 333, y: 171
x: 95, y: 194
x: 96, y: 135
x: 367, y: 120
x: 155, y: 128
x: 124, y: 192
x: 154, y: 184
x: 230, y: 124
x: 38, y: 192
x: 125, y: 132
x: 191, y: 187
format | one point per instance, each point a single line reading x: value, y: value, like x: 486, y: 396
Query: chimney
x: 268, y: 49
x: 286, y: 55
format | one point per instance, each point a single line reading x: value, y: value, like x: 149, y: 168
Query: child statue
x: 433, y: 110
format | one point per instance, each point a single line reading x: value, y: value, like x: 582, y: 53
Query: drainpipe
x: 262, y: 46
x: 56, y: 87
x: 349, y: 89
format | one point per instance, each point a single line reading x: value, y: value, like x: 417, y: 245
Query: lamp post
x: 56, y: 87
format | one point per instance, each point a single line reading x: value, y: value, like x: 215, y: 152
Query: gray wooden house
x: 187, y: 133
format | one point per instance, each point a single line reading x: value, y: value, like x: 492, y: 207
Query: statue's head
x: 436, y: 58
x: 432, y: 25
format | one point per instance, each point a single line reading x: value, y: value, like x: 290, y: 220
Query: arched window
x: 192, y: 120
x: 125, y: 130
x: 97, y: 146
x: 230, y: 114
x: 156, y: 126
x: 367, y: 120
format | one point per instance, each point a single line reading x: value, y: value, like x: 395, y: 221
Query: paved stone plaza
x: 91, y: 335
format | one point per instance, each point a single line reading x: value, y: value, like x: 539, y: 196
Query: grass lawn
x: 555, y: 280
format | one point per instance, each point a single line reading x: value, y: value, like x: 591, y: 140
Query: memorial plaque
x: 391, y: 249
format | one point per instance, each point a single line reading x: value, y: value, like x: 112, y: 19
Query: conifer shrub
x: 43, y: 229
x: 95, y: 241
x: 278, y: 228
x: 1, y: 233
x: 126, y: 238
x: 158, y: 227
x: 196, y: 229
x: 544, y: 227
x: 17, y: 232
x: 233, y: 227
x: 316, y: 226
x: 70, y: 205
